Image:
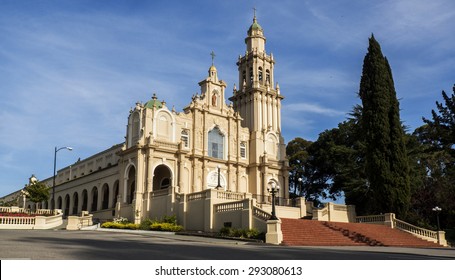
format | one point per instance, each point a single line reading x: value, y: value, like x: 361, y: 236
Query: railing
x: 261, y: 214
x: 37, y: 212
x: 389, y: 219
x: 17, y: 220
x: 163, y: 192
x: 425, y: 233
x: 279, y: 201
x: 36, y: 222
x: 196, y: 196
x: 229, y: 206
x: 374, y: 219
x: 230, y: 195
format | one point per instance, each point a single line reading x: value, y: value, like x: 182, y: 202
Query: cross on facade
x: 213, y: 56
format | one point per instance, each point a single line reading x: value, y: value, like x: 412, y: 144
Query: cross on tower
x: 213, y: 56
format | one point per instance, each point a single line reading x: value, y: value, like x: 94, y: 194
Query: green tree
x: 387, y: 167
x: 437, y: 161
x: 440, y: 131
x: 338, y: 160
x: 297, y: 153
x: 37, y: 191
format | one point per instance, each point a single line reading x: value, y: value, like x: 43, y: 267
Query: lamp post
x: 53, y: 179
x: 437, y: 210
x: 273, y: 188
x: 219, y: 178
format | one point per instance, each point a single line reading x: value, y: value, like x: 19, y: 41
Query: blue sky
x: 71, y: 70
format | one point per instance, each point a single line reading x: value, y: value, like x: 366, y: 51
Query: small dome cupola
x: 255, y: 41
x: 154, y: 103
x: 255, y: 28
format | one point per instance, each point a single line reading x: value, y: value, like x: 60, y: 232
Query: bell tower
x: 258, y: 101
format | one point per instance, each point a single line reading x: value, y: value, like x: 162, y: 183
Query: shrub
x: 117, y: 225
x: 242, y: 233
x: 165, y: 227
x: 145, y: 224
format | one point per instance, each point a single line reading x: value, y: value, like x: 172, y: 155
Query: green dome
x: 153, y: 103
x: 255, y: 25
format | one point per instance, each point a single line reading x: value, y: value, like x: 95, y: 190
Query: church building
x: 230, y: 145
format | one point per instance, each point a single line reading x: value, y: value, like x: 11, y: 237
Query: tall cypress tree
x: 387, y: 166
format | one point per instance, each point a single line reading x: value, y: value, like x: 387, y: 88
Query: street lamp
x: 53, y: 180
x: 437, y: 210
x: 219, y: 178
x: 273, y: 188
x: 300, y: 184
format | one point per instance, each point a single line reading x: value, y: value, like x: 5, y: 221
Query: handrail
x: 261, y: 214
x: 415, y: 229
x: 390, y: 220
x: 373, y: 219
x: 229, y: 206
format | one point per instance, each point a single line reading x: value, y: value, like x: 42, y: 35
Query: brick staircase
x: 316, y: 233
x: 313, y: 233
x: 379, y: 235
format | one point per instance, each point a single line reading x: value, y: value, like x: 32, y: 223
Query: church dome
x: 154, y: 102
x: 255, y: 26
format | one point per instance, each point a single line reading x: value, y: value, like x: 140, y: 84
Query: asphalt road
x: 121, y: 245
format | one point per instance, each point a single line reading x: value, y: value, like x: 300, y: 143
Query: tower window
x: 260, y: 74
x: 267, y: 76
x: 251, y: 75
x: 243, y: 150
x: 185, y: 138
x: 215, y: 143
x: 243, y: 76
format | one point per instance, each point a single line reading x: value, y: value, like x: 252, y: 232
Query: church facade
x: 231, y: 145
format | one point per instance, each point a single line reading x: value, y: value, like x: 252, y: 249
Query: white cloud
x: 308, y: 108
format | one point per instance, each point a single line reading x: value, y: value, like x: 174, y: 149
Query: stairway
x: 313, y: 233
x: 316, y: 233
x: 379, y: 235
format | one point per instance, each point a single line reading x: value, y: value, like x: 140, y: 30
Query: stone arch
x: 243, y: 184
x: 215, y: 98
x: 94, y: 196
x: 105, y: 196
x: 75, y: 203
x: 115, y: 193
x: 273, y: 181
x: 216, y: 142
x: 66, y: 212
x: 162, y: 177
x: 59, y: 203
x: 84, y: 200
x: 130, y: 183
x: 164, y: 125
x: 135, y: 128
x: 271, y: 145
x: 212, y: 179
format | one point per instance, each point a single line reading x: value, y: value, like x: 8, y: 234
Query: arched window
x: 243, y: 76
x: 185, y: 138
x: 267, y: 76
x: 94, y: 206
x: 260, y: 74
x: 251, y: 75
x: 214, y: 101
x: 242, y: 150
x: 216, y: 143
x: 135, y: 129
